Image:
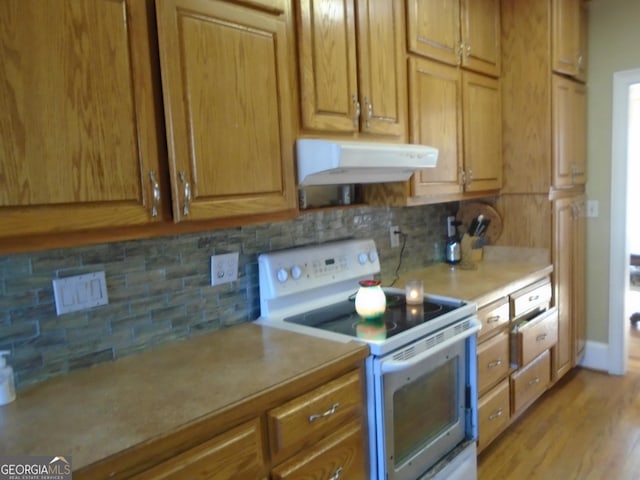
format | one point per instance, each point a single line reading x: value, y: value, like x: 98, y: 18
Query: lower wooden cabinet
x: 514, y: 354
x: 530, y: 382
x: 235, y: 454
x: 308, y: 418
x: 493, y: 413
x: 340, y: 455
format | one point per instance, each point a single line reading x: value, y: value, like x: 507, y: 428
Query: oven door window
x: 424, y: 411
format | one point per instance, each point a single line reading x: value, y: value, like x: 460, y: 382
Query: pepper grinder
x: 452, y: 252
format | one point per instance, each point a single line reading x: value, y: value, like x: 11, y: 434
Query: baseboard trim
x: 596, y: 356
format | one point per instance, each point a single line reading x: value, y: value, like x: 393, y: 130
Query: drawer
x: 306, y: 419
x: 237, y: 453
x: 529, y: 298
x: 493, y: 316
x: 493, y: 361
x: 493, y: 413
x: 531, y: 337
x: 530, y: 382
x: 340, y: 455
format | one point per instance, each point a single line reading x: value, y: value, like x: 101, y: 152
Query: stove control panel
x: 305, y: 268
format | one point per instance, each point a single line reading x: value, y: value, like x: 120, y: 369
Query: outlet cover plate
x: 394, y: 238
x: 224, y: 268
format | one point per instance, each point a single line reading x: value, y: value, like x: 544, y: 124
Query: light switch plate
x: 80, y: 292
x: 592, y: 208
x: 224, y: 268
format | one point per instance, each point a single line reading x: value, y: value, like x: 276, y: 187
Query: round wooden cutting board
x: 469, y: 211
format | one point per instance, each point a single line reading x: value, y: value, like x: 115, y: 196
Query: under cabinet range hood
x: 333, y: 162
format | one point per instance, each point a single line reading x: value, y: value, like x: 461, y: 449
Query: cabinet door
x: 480, y: 30
x: 436, y: 119
x: 434, y: 29
x: 340, y: 455
x: 565, y: 38
x: 382, y: 76
x: 569, y: 132
x: 563, y: 257
x: 482, y: 132
x: 582, y: 35
x: 79, y: 143
x: 579, y: 279
x: 227, y: 108
x: 327, y: 63
x: 236, y: 454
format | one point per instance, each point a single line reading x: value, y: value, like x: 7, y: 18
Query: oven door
x: 422, y: 395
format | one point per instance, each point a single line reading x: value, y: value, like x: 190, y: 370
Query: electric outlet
x: 592, y: 208
x: 394, y: 236
x: 224, y: 268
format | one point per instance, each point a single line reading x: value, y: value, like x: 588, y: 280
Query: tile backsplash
x: 159, y: 289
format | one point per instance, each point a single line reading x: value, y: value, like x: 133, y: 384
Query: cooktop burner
x: 398, y: 317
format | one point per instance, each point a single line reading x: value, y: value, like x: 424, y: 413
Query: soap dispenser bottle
x: 452, y: 252
x: 7, y: 386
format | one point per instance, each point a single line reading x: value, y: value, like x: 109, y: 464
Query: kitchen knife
x: 482, y: 229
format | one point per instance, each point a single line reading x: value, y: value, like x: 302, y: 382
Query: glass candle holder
x: 414, y: 292
x: 370, y: 300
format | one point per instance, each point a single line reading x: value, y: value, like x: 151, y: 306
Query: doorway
x: 625, y: 221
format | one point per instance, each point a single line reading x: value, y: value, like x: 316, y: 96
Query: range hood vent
x: 334, y: 162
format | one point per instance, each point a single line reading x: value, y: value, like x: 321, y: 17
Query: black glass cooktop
x: 398, y: 317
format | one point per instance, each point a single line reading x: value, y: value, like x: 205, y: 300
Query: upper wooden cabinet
x: 227, y: 108
x: 80, y: 144
x: 544, y: 138
x: 448, y: 111
x: 351, y: 66
x: 482, y: 132
x: 82, y: 132
x: 569, y: 116
x: 569, y: 25
x: 464, y: 32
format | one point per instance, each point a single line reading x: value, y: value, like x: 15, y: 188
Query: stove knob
x: 282, y: 275
x: 373, y: 256
x: 362, y: 258
x: 296, y: 272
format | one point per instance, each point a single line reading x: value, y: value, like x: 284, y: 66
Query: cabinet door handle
x: 496, y: 414
x: 328, y: 413
x: 337, y: 474
x: 495, y: 363
x: 493, y: 319
x: 187, y: 194
x: 369, y: 106
x: 541, y: 337
x: 467, y: 50
x: 469, y: 177
x: 356, y: 107
x: 156, y: 193
x: 460, y: 52
x: 463, y: 177
x: 533, y: 298
x: 534, y: 381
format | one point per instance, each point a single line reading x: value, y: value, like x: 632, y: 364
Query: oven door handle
x: 391, y: 366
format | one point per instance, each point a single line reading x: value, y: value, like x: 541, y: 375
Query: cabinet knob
x: 156, y: 193
x: 494, y: 364
x: 496, y: 414
x: 187, y: 194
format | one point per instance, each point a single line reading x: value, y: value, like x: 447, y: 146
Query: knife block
x: 469, y: 254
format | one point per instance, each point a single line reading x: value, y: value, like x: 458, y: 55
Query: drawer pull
x: 337, y: 474
x: 494, y: 364
x: 496, y: 414
x: 493, y: 319
x: 534, y: 381
x: 541, y: 337
x: 328, y: 413
x: 533, y: 298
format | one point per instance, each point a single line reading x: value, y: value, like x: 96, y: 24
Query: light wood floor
x: 587, y: 427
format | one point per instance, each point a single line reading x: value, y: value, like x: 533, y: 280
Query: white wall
x: 614, y: 40
x: 633, y: 227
